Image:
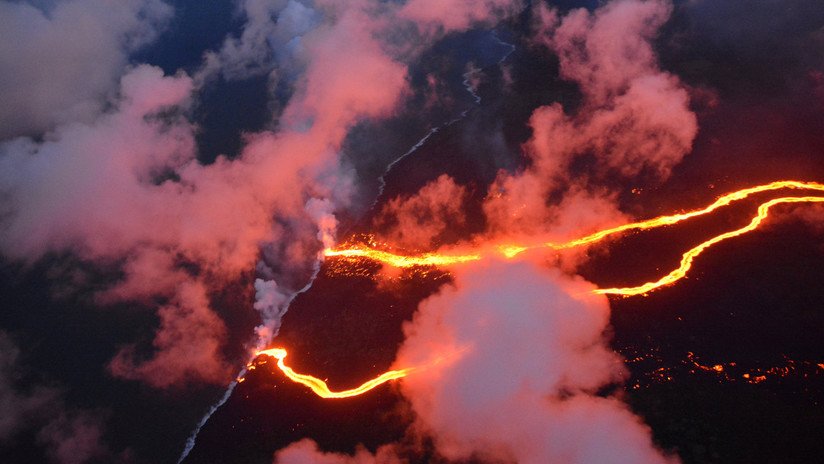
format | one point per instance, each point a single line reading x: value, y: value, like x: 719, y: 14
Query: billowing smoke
x: 66, y: 58
x: 419, y: 221
x: 456, y: 15
x: 633, y: 121
x: 525, y: 355
x: 264, y: 46
x: 187, y: 344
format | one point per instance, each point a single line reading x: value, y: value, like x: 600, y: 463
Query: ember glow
x: 320, y: 387
x: 656, y: 370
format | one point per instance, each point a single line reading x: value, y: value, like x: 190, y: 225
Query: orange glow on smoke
x: 512, y: 250
x: 319, y: 386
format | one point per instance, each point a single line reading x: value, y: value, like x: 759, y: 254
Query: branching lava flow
x: 511, y: 251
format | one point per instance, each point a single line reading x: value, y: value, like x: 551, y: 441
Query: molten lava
x: 675, y: 218
x: 658, y: 371
x: 319, y: 386
x: 512, y: 250
x: 426, y: 259
x: 688, y: 257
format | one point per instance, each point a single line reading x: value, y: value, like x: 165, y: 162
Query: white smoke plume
x: 270, y: 42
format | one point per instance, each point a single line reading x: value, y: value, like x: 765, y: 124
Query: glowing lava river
x: 511, y: 251
x: 319, y: 386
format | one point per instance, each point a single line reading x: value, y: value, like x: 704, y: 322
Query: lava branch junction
x: 320, y: 387
x: 512, y: 250
x: 688, y: 257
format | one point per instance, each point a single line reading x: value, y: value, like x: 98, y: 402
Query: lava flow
x: 688, y: 257
x: 510, y: 250
x: 403, y: 261
x: 319, y: 386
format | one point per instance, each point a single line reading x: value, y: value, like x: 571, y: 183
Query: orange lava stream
x: 319, y: 386
x: 426, y: 259
x: 688, y: 257
x: 511, y: 250
x: 675, y: 218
